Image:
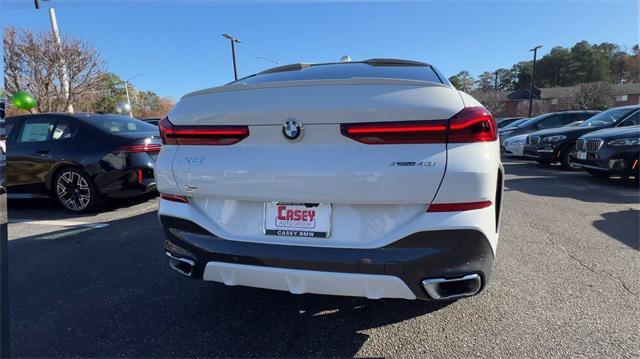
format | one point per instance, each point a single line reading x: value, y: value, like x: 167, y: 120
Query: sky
x: 178, y: 47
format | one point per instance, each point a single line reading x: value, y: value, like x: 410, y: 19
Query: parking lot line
x: 58, y: 223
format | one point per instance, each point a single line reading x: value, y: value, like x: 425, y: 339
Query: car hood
x: 616, y: 132
x: 570, y: 132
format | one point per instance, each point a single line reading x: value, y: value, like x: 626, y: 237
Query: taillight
x: 201, y: 135
x: 149, y: 148
x: 174, y: 198
x: 472, y: 124
x: 457, y: 207
x: 396, y: 132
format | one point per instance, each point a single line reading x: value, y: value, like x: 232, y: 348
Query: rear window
x: 347, y: 71
x: 119, y: 124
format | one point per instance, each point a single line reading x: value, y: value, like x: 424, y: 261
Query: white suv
x: 374, y: 178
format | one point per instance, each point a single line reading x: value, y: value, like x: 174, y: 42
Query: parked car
x: 559, y: 145
x: 546, y: 121
x: 330, y: 179
x: 80, y: 159
x: 514, y: 146
x: 612, y: 151
x: 504, y: 121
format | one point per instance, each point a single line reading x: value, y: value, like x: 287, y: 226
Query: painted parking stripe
x: 73, y: 232
x: 58, y: 223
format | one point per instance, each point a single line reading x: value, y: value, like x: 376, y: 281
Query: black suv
x: 546, y: 121
x: 614, y: 151
x: 558, y: 145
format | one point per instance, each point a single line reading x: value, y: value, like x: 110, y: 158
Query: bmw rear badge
x: 292, y: 129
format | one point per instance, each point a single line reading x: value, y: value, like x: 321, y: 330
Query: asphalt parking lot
x: 565, y: 285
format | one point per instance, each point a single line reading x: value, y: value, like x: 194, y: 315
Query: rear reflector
x: 457, y: 207
x: 149, y: 148
x: 174, y: 198
x: 201, y: 135
x: 472, y: 124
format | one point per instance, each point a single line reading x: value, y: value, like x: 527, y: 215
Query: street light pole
x: 126, y: 90
x: 233, y: 41
x: 533, y: 76
x: 65, y: 74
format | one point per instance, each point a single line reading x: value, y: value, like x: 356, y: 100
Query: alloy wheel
x: 73, y: 191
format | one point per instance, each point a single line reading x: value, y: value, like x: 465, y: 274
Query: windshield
x: 119, y: 124
x: 607, y: 117
x: 515, y: 123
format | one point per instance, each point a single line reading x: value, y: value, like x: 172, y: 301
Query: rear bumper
x: 393, y: 271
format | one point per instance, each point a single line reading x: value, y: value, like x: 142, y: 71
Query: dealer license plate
x: 297, y: 219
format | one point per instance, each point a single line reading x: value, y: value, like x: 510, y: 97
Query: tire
x: 565, y: 158
x: 598, y: 174
x: 75, y: 191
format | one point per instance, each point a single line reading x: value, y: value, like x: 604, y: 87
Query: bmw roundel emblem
x: 292, y: 129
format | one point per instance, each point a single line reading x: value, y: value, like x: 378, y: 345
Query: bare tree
x: 590, y: 96
x: 33, y: 62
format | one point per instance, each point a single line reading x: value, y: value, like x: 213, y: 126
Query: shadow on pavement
x: 623, y: 226
x: 110, y: 293
x: 48, y: 209
x: 551, y: 181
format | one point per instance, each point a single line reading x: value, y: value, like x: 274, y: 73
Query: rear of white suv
x: 375, y: 179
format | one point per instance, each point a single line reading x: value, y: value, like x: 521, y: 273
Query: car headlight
x: 624, y: 142
x: 553, y: 139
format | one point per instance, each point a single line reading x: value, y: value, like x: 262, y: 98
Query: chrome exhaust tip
x: 451, y: 288
x: 181, y: 265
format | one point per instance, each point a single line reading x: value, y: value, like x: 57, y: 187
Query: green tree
x: 463, y: 81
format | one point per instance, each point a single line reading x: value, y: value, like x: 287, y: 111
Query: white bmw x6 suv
x: 374, y: 178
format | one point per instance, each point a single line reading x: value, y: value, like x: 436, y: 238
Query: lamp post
x: 268, y: 59
x: 126, y: 90
x: 66, y: 87
x: 233, y: 41
x: 533, y: 76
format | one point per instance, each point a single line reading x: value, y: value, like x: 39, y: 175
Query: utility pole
x: 65, y: 73
x: 533, y: 76
x: 233, y: 41
x: 126, y: 91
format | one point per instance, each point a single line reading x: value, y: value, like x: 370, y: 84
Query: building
x: 516, y: 103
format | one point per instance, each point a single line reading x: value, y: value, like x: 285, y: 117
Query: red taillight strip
x: 201, y: 135
x: 138, y: 148
x: 396, y: 132
x: 174, y: 198
x: 471, y: 124
x: 458, y: 207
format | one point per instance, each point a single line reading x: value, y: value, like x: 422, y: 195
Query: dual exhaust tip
x: 452, y: 288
